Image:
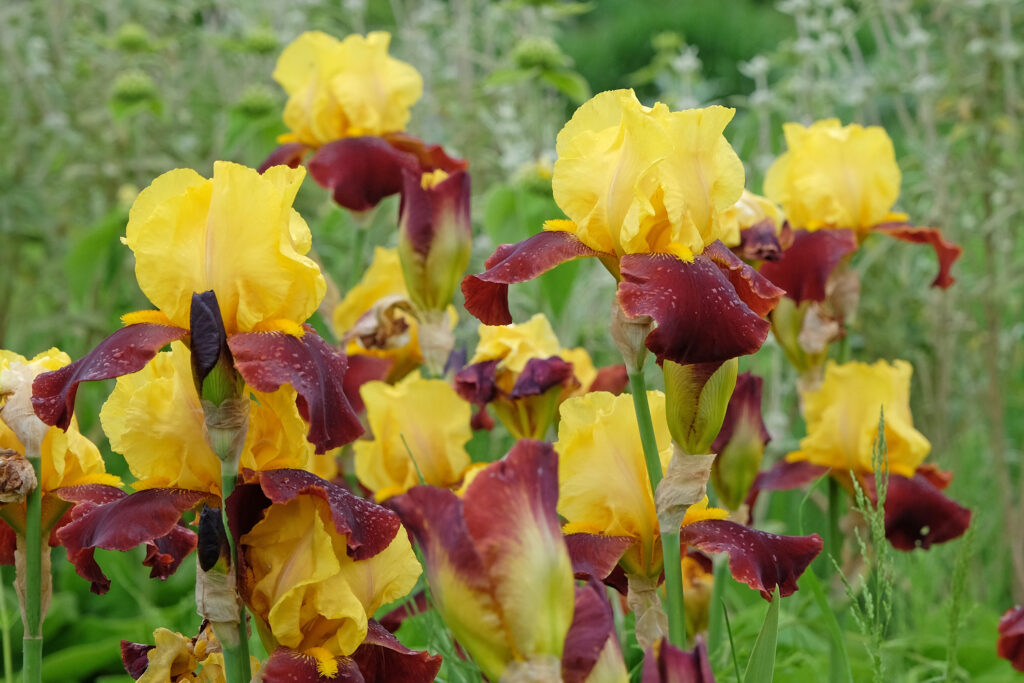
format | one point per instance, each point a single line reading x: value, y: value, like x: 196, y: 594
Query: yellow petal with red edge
x: 236, y: 234
x: 515, y: 345
x: 420, y: 428
x: 603, y: 483
x: 385, y: 577
x: 171, y: 657
x: 842, y: 419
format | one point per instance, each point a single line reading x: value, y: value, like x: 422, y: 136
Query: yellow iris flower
x: 842, y: 419
x: 236, y: 234
x: 346, y: 88
x: 420, y: 428
x: 635, y: 179
x: 835, y: 176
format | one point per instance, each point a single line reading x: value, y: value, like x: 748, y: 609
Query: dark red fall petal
x: 947, y: 252
x: 595, y: 556
x: 290, y: 154
x: 8, y: 542
x: 701, y: 318
x: 315, y: 369
x: 393, y: 619
x: 135, y: 657
x: 672, y: 665
x: 540, y: 374
x: 361, y: 171
x: 757, y: 558
x: 806, y: 264
x: 382, y: 659
x: 368, y: 527
x: 1011, y: 637
x: 122, y: 353
x: 760, y: 242
x: 917, y: 514
x: 744, y: 407
x: 423, y: 212
x: 149, y: 516
x: 430, y: 157
x: 610, y: 378
x: 363, y: 368
x: 487, y: 293
x: 784, y: 476
x: 755, y: 290
x: 475, y: 383
x: 592, y: 626
x: 940, y: 479
x: 295, y: 667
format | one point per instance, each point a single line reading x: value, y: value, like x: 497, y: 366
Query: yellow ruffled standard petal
x: 171, y: 658
x: 277, y: 435
x: 842, y: 419
x: 236, y: 234
x: 345, y: 88
x: 750, y: 210
x: 420, y: 429
x: 154, y: 419
x: 835, y: 176
x: 385, y: 577
x: 602, y: 477
x: 636, y: 179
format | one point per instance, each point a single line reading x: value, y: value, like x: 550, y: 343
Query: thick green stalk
x: 32, y: 653
x: 835, y: 511
x: 674, y: 603
x: 238, y: 671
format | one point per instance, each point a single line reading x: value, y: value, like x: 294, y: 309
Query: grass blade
x: 761, y: 665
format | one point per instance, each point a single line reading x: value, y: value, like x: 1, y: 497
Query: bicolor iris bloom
x: 174, y: 658
x: 842, y: 428
x: 644, y: 190
x: 499, y: 570
x: 523, y: 373
x: 234, y: 242
x: 348, y: 103
x: 605, y: 492
x: 420, y: 428
x: 751, y: 228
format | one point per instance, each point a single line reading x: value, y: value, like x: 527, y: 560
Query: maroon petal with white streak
x: 151, y: 517
x: 122, y: 353
x: 759, y: 559
x: 315, y: 369
x: 707, y: 310
x: 290, y: 154
x: 947, y: 252
x: 361, y: 171
x: 808, y: 261
x: 487, y: 293
x: 1010, y: 645
x: 135, y: 657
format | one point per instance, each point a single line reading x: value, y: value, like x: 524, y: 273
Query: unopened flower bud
x: 740, y: 445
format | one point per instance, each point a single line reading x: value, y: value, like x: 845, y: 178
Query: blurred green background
x: 99, y: 97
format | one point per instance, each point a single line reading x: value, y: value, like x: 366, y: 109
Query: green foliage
x: 761, y: 665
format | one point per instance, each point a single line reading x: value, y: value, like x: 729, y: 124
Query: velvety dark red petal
x: 475, y: 383
x: 122, y: 353
x: 947, y: 252
x: 423, y: 212
x: 135, y: 658
x: 363, y: 368
x: 701, y: 316
x: 487, y: 293
x: 672, y: 665
x: 540, y: 374
x: 940, y: 479
x: 757, y: 558
x: 290, y: 154
x: 316, y: 371
x: 784, y: 476
x: 382, y: 659
x: 292, y: 666
x: 760, y: 242
x: 361, y: 171
x: 149, y: 516
x: 61, y: 504
x: 806, y: 264
x: 368, y: 527
x: 393, y: 619
x: 755, y: 290
x: 429, y: 157
x: 744, y: 407
x: 592, y: 625
x: 1011, y: 637
x: 595, y: 556
x: 8, y: 543
x: 611, y: 378
x: 917, y: 514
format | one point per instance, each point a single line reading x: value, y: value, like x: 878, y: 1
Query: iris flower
x: 644, y: 190
x: 842, y: 424
x: 348, y: 103
x: 235, y: 242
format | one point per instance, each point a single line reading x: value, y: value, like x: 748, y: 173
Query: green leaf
x: 839, y: 662
x: 761, y: 665
x: 569, y: 83
x: 509, y: 76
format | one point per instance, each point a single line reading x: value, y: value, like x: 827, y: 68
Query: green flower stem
x: 32, y: 653
x: 674, y: 604
x: 835, y: 511
x: 236, y: 659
